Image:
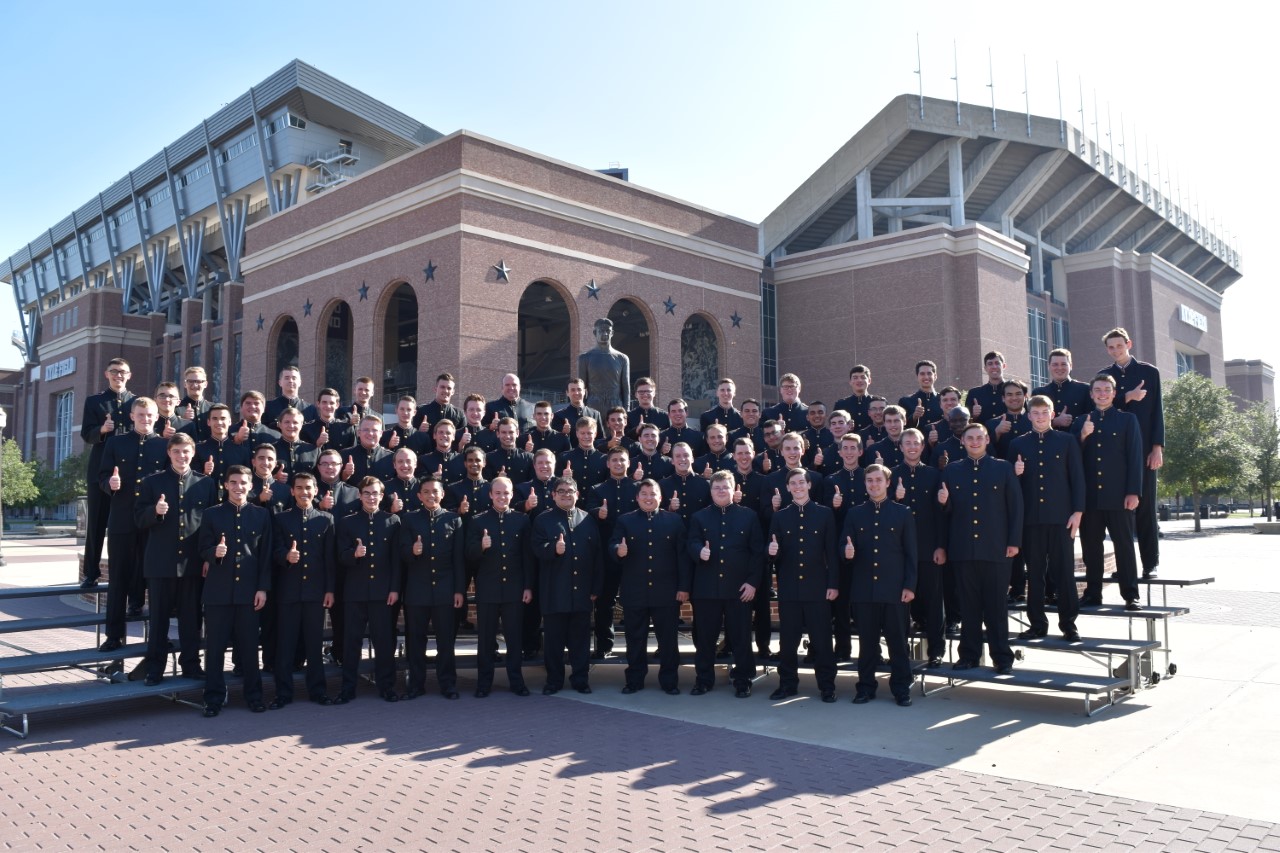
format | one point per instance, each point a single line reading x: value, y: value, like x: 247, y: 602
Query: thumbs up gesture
x: 568, y: 469
x: 168, y: 429
x: 666, y: 448
x: 1004, y: 425
x: 603, y: 512
x: 737, y: 493
x: 326, y: 502
x: 565, y: 428
x: 189, y: 412
x: 114, y: 481
x: 360, y: 549
x: 439, y: 475
x: 837, y: 500
x: 464, y: 506
x: 900, y: 492
x: 349, y: 469
x: 294, y: 554
x: 933, y: 435
x: 417, y: 546
x: 424, y: 425
x: 639, y: 473
x: 1019, y: 466
x: 208, y: 467
x: 773, y: 546
x: 264, y: 496
x: 767, y: 464
x: 323, y: 438
x: 879, y: 458
x: 674, y: 506
x: 621, y: 550
x: 1086, y: 428
x: 705, y: 553
x: 848, y: 547
x: 242, y: 434
x: 1138, y: 393
x: 946, y: 458
x: 220, y: 550
x: 532, y: 501
x: 560, y: 545
x: 396, y: 504
x: 162, y: 506
x: 465, y: 439
x: 281, y: 475
x: 108, y: 425
x: 777, y: 500
x: 528, y: 444
x: 977, y: 410
x: 707, y: 471
x: 817, y: 458
x: 919, y: 412
x: 485, y: 541
x: 943, y: 494
x: 395, y: 439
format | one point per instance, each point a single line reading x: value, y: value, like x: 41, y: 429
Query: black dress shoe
x: 934, y: 663
x: 133, y: 613
x: 628, y: 690
x: 1091, y: 601
x: 953, y: 631
x: 584, y: 689
x: 828, y: 696
x: 551, y: 691
x: 1148, y: 574
x: 671, y: 691
x: 88, y: 583
x: 1071, y: 635
x: 414, y: 693
x: 1004, y: 669
x: 390, y: 696
x: 1132, y: 604
x: 152, y: 680
x: 522, y: 691
x: 194, y: 674
x: 212, y: 710
x: 782, y: 693
x: 742, y: 692
x: 481, y: 692
x: 258, y: 707
x: 1033, y: 634
x: 341, y: 699
x: 111, y: 646
x: 904, y: 701
x: 278, y: 703
x: 322, y: 700
x: 964, y: 664
x: 863, y: 698
x: 449, y: 694
x: 699, y: 690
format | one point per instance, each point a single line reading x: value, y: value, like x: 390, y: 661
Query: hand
x: 464, y: 506
x: 323, y: 438
x: 208, y: 467
x: 1004, y: 426
x: 565, y: 428
x: 1011, y: 551
x: 639, y: 473
x: 485, y: 541
x: 1131, y: 502
x: 976, y: 412
x: 502, y: 472
x: 933, y: 436
x: 568, y: 470
x: 528, y: 444
x: 465, y: 439
x: 532, y: 501
x: 908, y: 596
x: 705, y: 553
x: 281, y: 475
x: 1155, y: 459
x: 833, y: 594
x: 439, y: 475
x: 360, y: 549
x: 919, y: 412
x: 666, y: 448
x: 945, y: 460
x: 1062, y: 420
x: 1019, y: 467
x: 326, y: 502
x: 114, y: 482
x: 259, y: 599
x: 879, y: 458
x: 748, y: 592
x: 392, y: 598
x: 777, y: 500
x: 939, y: 556
x: 204, y: 571
x: 457, y: 600
x: 817, y: 458
x: 943, y: 494
x: 294, y: 554
x: 417, y: 547
x: 737, y: 493
x: 560, y: 545
x: 767, y: 464
x: 773, y: 547
x: 424, y: 426
x: 189, y: 412
x: 707, y: 472
x: 848, y: 548
x: 348, y: 469
x: 614, y: 441
x: 395, y: 439
x: 162, y: 506
x: 396, y: 504
x: 168, y: 430
x: 621, y: 550
x: 674, y: 506
x: 1138, y: 393
x: 220, y: 550
x: 837, y: 500
x: 1073, y: 524
x: 242, y: 434
x: 108, y: 426
x: 264, y: 496
x: 528, y: 596
x: 682, y: 597
x: 327, y: 602
x: 900, y: 492
x: 603, y: 512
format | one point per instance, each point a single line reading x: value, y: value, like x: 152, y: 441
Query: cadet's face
x: 742, y: 455
x: 369, y: 433
x: 649, y: 441
x: 716, y: 440
x: 166, y: 400
x: 876, y: 412
x: 290, y: 426
x: 475, y: 411
x: 682, y: 458
x: 817, y: 417
x: 264, y: 463
x: 798, y: 487
x: 475, y: 464
x: 144, y: 418
x: 507, y: 436
x: 994, y: 368
x: 1059, y: 368
x: 876, y: 484
x: 926, y: 377
x: 363, y: 393
x: 566, y: 496
x: 773, y: 436
x: 405, y: 463
x: 329, y: 467
x: 117, y: 377
x: 430, y: 494
x: 893, y: 424
x: 327, y: 405
x: 1103, y: 394
x: 1041, y: 418
x: 500, y: 493
x: 751, y: 415
x: 511, y: 386
x: 219, y: 422
x: 678, y: 416
x: 850, y: 452
x: 180, y: 456
x: 290, y: 381
x: 644, y: 394
x: 792, y: 450
x: 542, y: 417
x: 370, y: 497
x: 444, y: 436
x: 238, y: 487
x: 444, y: 392
x: 790, y: 392
x: 303, y: 491
x: 1014, y: 398
x: 975, y: 441
x: 586, y: 436
x: 1118, y: 348
x: 617, y: 423
x: 724, y: 393
x: 838, y: 426
x: 949, y: 402
x: 647, y: 498
x: 912, y: 447
x: 859, y: 382
x: 251, y: 410
x: 722, y: 492
x: 618, y: 463
x: 543, y: 466
x: 405, y: 412
x: 576, y: 392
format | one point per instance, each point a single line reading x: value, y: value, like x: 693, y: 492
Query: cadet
x: 790, y: 412
x: 880, y: 540
x: 846, y: 488
x: 293, y: 454
x: 193, y: 406
x: 684, y: 492
x: 915, y: 485
x: 168, y: 421
x: 105, y: 415
x: 568, y: 548
x: 431, y: 553
x: 650, y: 546
x: 1070, y: 397
x: 608, y: 500
x: 858, y: 403
x: 507, y: 460
x: 290, y: 382
x: 924, y: 405
x: 566, y: 420
x: 802, y: 545
x: 510, y: 405
x: 328, y: 430
x: 723, y: 412
x: 987, y: 400
x: 367, y: 458
x: 218, y: 451
x: 541, y: 435
x: 678, y: 414
x: 250, y: 430
x: 645, y: 412
x: 441, y: 408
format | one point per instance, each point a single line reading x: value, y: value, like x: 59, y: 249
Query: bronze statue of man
x: 606, y: 371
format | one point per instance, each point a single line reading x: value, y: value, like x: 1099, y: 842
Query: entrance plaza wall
x: 937, y: 293
x: 464, y: 205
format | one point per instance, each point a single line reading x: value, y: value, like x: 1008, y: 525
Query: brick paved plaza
x: 1188, y: 765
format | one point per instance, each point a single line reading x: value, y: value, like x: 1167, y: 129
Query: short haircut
x: 723, y: 476
x: 370, y: 416
x: 407, y: 398
x: 301, y: 475
x: 818, y: 404
x: 474, y: 398
x: 995, y: 353
x: 511, y: 422
x: 542, y: 404
x: 194, y: 369
x: 1040, y: 401
x: 839, y: 413
x: 718, y: 428
x: 619, y: 450
x: 365, y: 380
x: 577, y: 380
x: 646, y: 380
x: 895, y: 410
x: 472, y: 450
x: 681, y: 445
x: 646, y: 427
x: 218, y: 407
x: 851, y: 436
x: 725, y: 380
x: 544, y: 451
x: 142, y: 401
x: 1062, y: 351
x: 329, y: 392
x: 877, y: 468
x: 443, y: 422
x: 972, y: 427
x: 877, y: 398
x: 258, y: 448
x: 949, y: 389
x: 1103, y: 377
x: 180, y: 439
x: 926, y: 363
x: 563, y: 482
x: 445, y: 377
x: 173, y: 385
x: 329, y: 451
x: 233, y: 470
x: 744, y: 441
x: 860, y: 368
x: 649, y: 483
x: 789, y: 377
x: 1117, y: 332
x: 290, y: 411
x: 369, y: 481
x: 678, y: 401
x: 792, y: 473
x: 615, y: 410
x: 253, y: 395
x: 119, y: 362
x: 750, y: 401
x: 1017, y: 383
x: 585, y: 423
x: 912, y: 431
x: 795, y: 436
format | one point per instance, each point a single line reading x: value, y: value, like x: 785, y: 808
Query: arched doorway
x: 337, y: 350
x: 543, y: 359
x: 400, y: 346
x: 286, y: 348
x: 699, y: 360
x: 631, y: 336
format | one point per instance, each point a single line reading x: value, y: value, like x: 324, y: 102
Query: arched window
x: 335, y: 339
x: 699, y: 360
x: 286, y: 346
x: 400, y: 345
x: 543, y: 361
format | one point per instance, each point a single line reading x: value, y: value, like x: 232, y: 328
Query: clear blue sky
x: 725, y: 104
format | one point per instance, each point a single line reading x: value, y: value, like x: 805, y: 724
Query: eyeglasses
x: 196, y: 381
x: 118, y: 372
x: 566, y: 492
x: 371, y: 494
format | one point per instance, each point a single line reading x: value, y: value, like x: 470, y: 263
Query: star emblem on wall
x: 670, y: 305
x: 429, y: 271
x: 306, y: 309
x: 593, y: 290
x: 260, y: 322
x: 502, y: 270
x: 364, y: 291
x: 736, y: 320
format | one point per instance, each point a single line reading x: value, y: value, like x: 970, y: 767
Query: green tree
x: 1263, y: 423
x: 19, y: 476
x: 1205, y: 444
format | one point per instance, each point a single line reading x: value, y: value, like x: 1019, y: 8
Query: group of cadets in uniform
x: 866, y: 517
